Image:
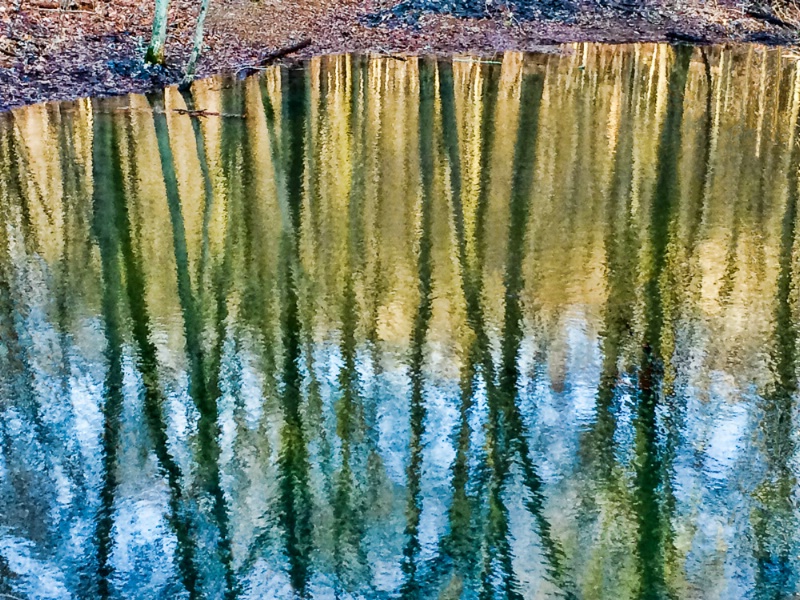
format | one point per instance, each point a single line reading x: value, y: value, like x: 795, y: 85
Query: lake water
x: 380, y: 328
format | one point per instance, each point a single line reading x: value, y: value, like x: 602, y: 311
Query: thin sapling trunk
x: 155, y: 51
x: 197, y: 45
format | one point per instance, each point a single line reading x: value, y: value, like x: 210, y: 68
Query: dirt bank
x: 95, y: 47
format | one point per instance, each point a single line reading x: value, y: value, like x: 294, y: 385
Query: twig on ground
x: 67, y: 11
x: 768, y: 18
x: 271, y: 57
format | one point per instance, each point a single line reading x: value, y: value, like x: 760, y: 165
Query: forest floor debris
x: 96, y: 47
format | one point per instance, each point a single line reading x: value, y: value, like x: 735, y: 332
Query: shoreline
x: 51, y: 55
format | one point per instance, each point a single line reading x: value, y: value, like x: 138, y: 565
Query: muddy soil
x: 95, y: 47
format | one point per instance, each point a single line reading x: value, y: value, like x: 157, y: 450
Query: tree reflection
x: 406, y: 328
x: 774, y: 512
x: 107, y: 182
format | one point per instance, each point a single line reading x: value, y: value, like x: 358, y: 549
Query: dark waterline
x: 407, y: 329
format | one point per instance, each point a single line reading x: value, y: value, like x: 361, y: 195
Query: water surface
x: 380, y: 328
